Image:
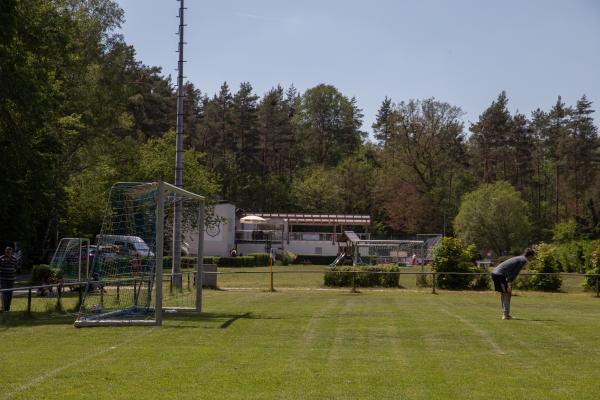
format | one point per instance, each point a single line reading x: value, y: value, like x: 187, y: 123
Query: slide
x: 339, y: 259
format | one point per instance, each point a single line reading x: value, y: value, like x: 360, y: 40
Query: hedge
x: 342, y: 276
x: 315, y: 259
x: 187, y: 262
x: 261, y: 259
x: 44, y: 274
x: 240, y: 261
x: 287, y: 257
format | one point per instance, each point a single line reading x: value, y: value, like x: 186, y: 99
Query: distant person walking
x: 504, y: 274
x: 8, y: 274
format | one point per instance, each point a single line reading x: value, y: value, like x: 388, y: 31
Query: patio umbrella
x: 252, y: 219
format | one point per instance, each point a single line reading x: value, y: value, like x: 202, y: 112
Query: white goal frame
x: 162, y: 189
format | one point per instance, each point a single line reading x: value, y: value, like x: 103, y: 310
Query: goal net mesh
x: 122, y: 282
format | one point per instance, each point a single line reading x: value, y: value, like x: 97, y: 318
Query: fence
x: 63, y: 299
x: 287, y: 278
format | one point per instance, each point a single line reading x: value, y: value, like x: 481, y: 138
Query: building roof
x: 318, y: 219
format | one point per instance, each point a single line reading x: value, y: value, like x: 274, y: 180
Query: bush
x: 44, y: 274
x: 260, y: 259
x: 287, y: 257
x: 241, y: 261
x: 315, y: 259
x: 545, y: 262
x: 342, y: 276
x: 187, y: 262
x: 451, y: 256
x: 481, y: 282
x: 590, y: 282
x: 422, y: 281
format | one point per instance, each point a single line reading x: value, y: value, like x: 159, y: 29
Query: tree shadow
x: 39, y: 318
x: 532, y: 319
x: 217, y: 320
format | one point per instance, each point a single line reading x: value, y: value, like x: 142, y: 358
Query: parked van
x: 124, y: 245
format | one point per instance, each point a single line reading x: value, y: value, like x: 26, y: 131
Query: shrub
x: 187, y: 262
x: 44, y: 274
x: 451, y: 256
x: 481, y: 282
x: 422, y: 281
x: 260, y: 259
x: 287, y: 257
x: 524, y: 282
x: 590, y: 282
x: 240, y: 261
x: 341, y: 276
x: 544, y: 263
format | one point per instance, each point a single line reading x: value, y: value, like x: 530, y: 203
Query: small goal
x: 135, y: 274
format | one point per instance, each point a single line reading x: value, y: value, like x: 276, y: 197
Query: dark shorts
x: 500, y: 283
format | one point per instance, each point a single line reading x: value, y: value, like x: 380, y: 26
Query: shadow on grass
x: 220, y: 320
x: 533, y: 320
x: 21, y: 318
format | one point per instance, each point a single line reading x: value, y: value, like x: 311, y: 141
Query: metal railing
x: 258, y: 236
x: 57, y: 291
x: 321, y: 236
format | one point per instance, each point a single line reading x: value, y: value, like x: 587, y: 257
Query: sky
x: 464, y: 52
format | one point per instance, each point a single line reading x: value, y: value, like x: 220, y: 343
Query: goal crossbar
x: 164, y: 193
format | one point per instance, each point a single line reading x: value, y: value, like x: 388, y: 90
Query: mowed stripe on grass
x: 321, y: 344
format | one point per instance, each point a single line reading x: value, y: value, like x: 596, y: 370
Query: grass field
x: 301, y: 343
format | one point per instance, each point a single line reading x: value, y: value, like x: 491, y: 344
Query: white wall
x: 295, y: 246
x: 309, y: 247
x: 247, y: 248
x: 219, y: 238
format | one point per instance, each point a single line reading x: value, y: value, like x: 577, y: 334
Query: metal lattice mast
x: 178, y: 155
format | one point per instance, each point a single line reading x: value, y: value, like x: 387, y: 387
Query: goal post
x: 125, y: 285
x: 387, y: 251
x: 72, y: 258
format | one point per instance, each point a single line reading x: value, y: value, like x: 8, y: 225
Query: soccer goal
x: 374, y: 251
x: 72, y: 257
x: 126, y: 283
x: 389, y: 252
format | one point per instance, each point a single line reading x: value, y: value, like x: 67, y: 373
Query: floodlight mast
x: 176, y: 269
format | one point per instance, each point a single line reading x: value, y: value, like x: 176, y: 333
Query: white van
x: 124, y: 245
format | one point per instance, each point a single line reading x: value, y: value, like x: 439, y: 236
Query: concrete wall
x: 209, y: 280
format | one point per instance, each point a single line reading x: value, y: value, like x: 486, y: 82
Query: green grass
x: 323, y: 344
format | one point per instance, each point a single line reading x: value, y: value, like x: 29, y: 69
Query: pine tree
x: 383, y: 125
x: 244, y: 119
x: 583, y: 151
x: 489, y: 136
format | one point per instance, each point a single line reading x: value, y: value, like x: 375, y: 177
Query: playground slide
x: 339, y: 259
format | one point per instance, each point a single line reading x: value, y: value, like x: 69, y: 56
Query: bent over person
x: 504, y: 274
x: 8, y: 274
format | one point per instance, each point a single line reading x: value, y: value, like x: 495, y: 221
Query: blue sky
x: 464, y: 52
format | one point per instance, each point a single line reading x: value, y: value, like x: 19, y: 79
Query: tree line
x: 79, y: 111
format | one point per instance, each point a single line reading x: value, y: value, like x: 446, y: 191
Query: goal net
x: 389, y: 252
x: 125, y: 284
x: 72, y: 258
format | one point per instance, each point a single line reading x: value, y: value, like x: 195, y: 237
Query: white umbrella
x: 252, y: 219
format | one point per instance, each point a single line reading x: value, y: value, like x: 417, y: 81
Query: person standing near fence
x: 504, y: 274
x: 8, y: 274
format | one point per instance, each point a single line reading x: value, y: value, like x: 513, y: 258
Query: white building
x: 302, y: 234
